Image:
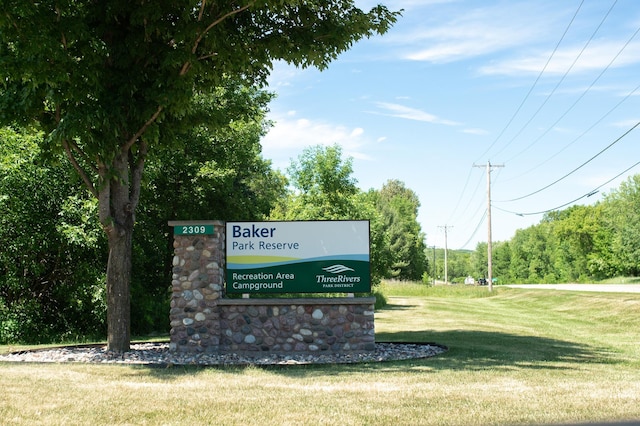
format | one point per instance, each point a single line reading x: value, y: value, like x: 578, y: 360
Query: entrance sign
x: 298, y: 257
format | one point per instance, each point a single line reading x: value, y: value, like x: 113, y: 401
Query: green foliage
x: 623, y: 220
x: 398, y: 206
x: 578, y: 244
x: 94, y: 74
x: 323, y: 187
x: 51, y: 284
x: 213, y: 168
x: 479, y: 262
x: 181, y: 183
x: 381, y: 298
x: 458, y: 262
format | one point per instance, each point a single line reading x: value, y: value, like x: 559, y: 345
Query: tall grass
x: 515, y: 357
x: 409, y: 288
x: 621, y: 280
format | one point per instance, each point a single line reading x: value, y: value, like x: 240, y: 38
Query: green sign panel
x: 193, y: 230
x: 298, y: 257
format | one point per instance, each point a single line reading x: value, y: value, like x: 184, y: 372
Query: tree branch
x: 137, y: 166
x: 204, y: 2
x: 142, y: 129
x: 104, y: 198
x: 208, y: 56
x: 217, y: 21
x: 85, y: 178
x: 84, y: 156
x: 187, y: 65
x: 64, y: 40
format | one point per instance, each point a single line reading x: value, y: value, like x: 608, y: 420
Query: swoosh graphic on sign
x: 336, y: 269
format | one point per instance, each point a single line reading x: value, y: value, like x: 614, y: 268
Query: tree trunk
x: 118, y: 192
x: 118, y: 200
x: 118, y: 294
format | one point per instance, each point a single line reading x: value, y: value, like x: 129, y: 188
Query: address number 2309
x: 194, y: 229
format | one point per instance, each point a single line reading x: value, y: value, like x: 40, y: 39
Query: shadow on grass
x: 396, y: 307
x: 468, y: 350
x: 476, y: 350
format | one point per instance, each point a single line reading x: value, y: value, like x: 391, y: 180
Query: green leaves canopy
x: 107, y: 71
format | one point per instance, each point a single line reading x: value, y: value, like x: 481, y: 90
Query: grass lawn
x: 515, y: 357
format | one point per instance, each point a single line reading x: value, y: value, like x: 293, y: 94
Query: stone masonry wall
x: 202, y: 320
x: 197, y: 285
x: 297, y: 325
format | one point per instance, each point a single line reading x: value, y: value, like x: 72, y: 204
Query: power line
x: 605, y: 69
x: 577, y: 168
x: 535, y: 83
x: 535, y: 114
x: 475, y: 213
x: 588, y: 194
x: 474, y: 191
x: 475, y: 231
x: 577, y: 138
x: 532, y: 88
x: 466, y: 183
x: 528, y: 96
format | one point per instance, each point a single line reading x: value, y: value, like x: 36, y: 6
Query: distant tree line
x: 579, y: 244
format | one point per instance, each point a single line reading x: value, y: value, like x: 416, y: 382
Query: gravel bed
x: 158, y: 354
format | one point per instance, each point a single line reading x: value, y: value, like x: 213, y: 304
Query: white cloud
x: 596, y: 57
x: 474, y: 32
x: 459, y: 49
x: 291, y: 135
x: 401, y: 111
x: 480, y: 132
x: 626, y: 124
x: 282, y: 75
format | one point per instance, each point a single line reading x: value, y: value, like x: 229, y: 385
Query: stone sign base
x: 202, y: 320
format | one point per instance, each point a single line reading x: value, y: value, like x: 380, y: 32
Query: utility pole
x: 434, y: 265
x: 489, y: 245
x: 446, y: 268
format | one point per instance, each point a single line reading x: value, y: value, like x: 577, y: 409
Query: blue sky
x: 546, y: 89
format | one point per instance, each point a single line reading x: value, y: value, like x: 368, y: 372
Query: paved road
x: 607, y: 288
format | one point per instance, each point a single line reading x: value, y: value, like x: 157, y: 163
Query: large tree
x: 399, y: 206
x: 102, y: 79
x: 323, y: 186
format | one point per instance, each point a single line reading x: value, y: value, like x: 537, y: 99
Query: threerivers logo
x: 336, y: 269
x: 337, y: 281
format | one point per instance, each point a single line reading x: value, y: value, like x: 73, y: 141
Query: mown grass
x: 515, y: 357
